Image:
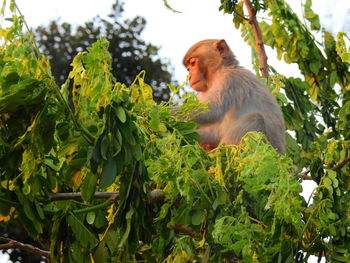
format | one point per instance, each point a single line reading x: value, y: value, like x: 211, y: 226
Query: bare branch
x: 304, y: 175
x: 341, y: 164
x: 156, y: 194
x: 77, y: 196
x: 184, y: 230
x: 12, y: 244
x: 258, y: 40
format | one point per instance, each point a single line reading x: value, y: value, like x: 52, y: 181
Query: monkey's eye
x: 192, y: 62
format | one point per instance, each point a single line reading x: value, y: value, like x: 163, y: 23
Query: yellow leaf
x: 55, y: 189
x: 162, y: 127
x: 4, y: 218
x: 313, y: 92
x: 77, y: 178
x: 11, y: 185
x: 202, y: 242
x: 29, y: 129
x: 184, y: 254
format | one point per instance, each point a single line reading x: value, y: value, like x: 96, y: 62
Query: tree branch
x: 12, y: 244
x: 77, y: 196
x: 258, y: 40
x: 304, y: 175
x: 156, y: 194
x: 184, y: 230
x: 341, y: 164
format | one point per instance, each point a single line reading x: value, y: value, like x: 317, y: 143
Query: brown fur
x: 238, y: 102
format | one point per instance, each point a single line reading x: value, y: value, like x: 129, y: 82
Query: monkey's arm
x: 215, y: 113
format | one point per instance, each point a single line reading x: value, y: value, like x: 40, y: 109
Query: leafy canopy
x: 172, y: 202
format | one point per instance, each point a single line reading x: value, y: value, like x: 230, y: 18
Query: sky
x: 176, y: 32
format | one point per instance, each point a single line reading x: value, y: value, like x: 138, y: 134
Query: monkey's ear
x: 222, y: 47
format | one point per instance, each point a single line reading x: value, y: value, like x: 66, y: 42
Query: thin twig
x: 12, y: 244
x: 258, y: 40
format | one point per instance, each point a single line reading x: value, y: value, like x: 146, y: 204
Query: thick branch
x: 77, y: 196
x: 12, y: 244
x: 154, y: 195
x: 258, y: 40
x: 341, y: 164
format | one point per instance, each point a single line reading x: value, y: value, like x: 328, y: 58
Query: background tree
x: 130, y: 54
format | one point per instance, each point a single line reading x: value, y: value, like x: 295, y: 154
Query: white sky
x: 175, y: 33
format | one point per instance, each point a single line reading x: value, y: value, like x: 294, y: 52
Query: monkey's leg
x: 209, y: 137
x: 250, y: 122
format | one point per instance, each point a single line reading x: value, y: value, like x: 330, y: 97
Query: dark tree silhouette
x: 130, y: 54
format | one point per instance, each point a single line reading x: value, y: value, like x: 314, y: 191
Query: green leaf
x: 100, y: 220
x: 101, y: 254
x: 109, y: 172
x: 121, y: 114
x: 88, y: 186
x: 163, y: 212
x: 90, y: 217
x: 315, y: 66
x: 83, y: 235
x: 197, y: 217
x: 137, y: 152
x: 119, y: 136
x: 239, y: 245
x: 154, y: 122
x: 104, y: 147
x: 333, y: 78
x: 39, y: 210
x: 128, y: 218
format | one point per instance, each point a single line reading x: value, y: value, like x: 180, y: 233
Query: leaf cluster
x: 237, y: 203
x: 316, y: 111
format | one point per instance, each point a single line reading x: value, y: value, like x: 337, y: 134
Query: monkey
x: 238, y: 102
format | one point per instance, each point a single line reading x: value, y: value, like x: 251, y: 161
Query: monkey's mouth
x: 194, y: 83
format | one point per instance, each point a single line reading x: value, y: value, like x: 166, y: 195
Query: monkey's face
x: 197, y: 76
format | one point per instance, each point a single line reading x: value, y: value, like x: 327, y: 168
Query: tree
x: 130, y: 54
x: 123, y: 180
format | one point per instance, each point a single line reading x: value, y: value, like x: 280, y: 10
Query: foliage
x: 60, y: 42
x: 237, y: 203
x: 317, y: 108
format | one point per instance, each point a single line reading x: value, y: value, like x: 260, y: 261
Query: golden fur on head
x: 211, y: 48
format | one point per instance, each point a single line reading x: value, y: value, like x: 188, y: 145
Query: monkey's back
x: 255, y: 98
